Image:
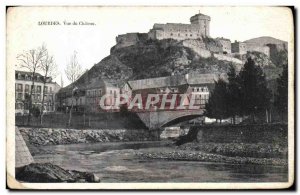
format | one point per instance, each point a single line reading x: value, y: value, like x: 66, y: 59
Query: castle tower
x: 203, y: 21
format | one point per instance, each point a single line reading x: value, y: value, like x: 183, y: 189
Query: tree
x: 75, y: 93
x: 233, y: 93
x: 281, y: 98
x: 49, y: 70
x: 217, y: 106
x: 255, y: 95
x: 31, y: 60
x: 73, y: 70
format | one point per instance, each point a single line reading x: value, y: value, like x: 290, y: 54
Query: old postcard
x: 112, y: 97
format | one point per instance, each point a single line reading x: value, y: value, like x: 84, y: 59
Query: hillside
x: 158, y: 58
x: 260, y: 41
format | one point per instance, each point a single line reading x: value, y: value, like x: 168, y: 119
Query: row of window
x: 47, y: 107
x: 38, y: 88
x: 167, y: 90
x: 201, y: 97
x: 191, y: 35
x: 180, y: 30
x: 200, y: 89
x: 93, y: 93
x: 19, y: 96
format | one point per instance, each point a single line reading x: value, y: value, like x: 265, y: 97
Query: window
x: 100, y: 92
x: 171, y: 34
x: 178, y: 34
x: 26, y: 88
x: 191, y: 35
x: 38, y: 89
x: 20, y: 96
x: 38, y: 97
x: 50, y: 89
x: 45, y: 89
x: 20, y: 87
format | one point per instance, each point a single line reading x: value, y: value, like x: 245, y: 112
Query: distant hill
x: 260, y: 41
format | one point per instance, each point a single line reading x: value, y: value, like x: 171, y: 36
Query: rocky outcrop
x: 49, y: 173
x: 49, y: 136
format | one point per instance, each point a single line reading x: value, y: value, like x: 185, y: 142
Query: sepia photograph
x: 150, y: 97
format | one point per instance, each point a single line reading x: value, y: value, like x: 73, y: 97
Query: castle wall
x: 198, y: 47
x: 238, y: 47
x: 129, y: 39
x: 227, y: 58
x: 176, y: 31
x: 226, y: 45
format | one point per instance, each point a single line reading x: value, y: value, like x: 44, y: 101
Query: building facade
x: 96, y: 90
x: 23, y: 83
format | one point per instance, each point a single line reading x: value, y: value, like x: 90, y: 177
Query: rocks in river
x: 47, y: 172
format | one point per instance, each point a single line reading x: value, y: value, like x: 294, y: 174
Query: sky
x: 93, y: 42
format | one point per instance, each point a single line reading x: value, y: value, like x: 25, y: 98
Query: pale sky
x: 93, y: 43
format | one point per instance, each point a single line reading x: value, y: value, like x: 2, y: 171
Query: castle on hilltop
x: 198, y: 31
x: 198, y: 28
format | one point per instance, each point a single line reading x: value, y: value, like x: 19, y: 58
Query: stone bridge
x: 160, y: 118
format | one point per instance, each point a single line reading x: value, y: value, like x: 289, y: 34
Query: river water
x: 117, y: 162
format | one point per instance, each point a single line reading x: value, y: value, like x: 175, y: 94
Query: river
x: 117, y: 162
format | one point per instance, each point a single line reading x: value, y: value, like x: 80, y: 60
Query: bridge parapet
x: 156, y: 119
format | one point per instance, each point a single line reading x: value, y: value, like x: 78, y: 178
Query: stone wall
x: 267, y: 133
x: 129, y: 39
x: 51, y: 136
x: 228, y: 58
x: 198, y: 46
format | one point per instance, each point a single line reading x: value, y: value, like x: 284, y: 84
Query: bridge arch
x: 158, y: 119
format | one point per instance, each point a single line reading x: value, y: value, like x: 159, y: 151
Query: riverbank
x: 263, y: 144
x: 57, y: 136
x: 176, y: 153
